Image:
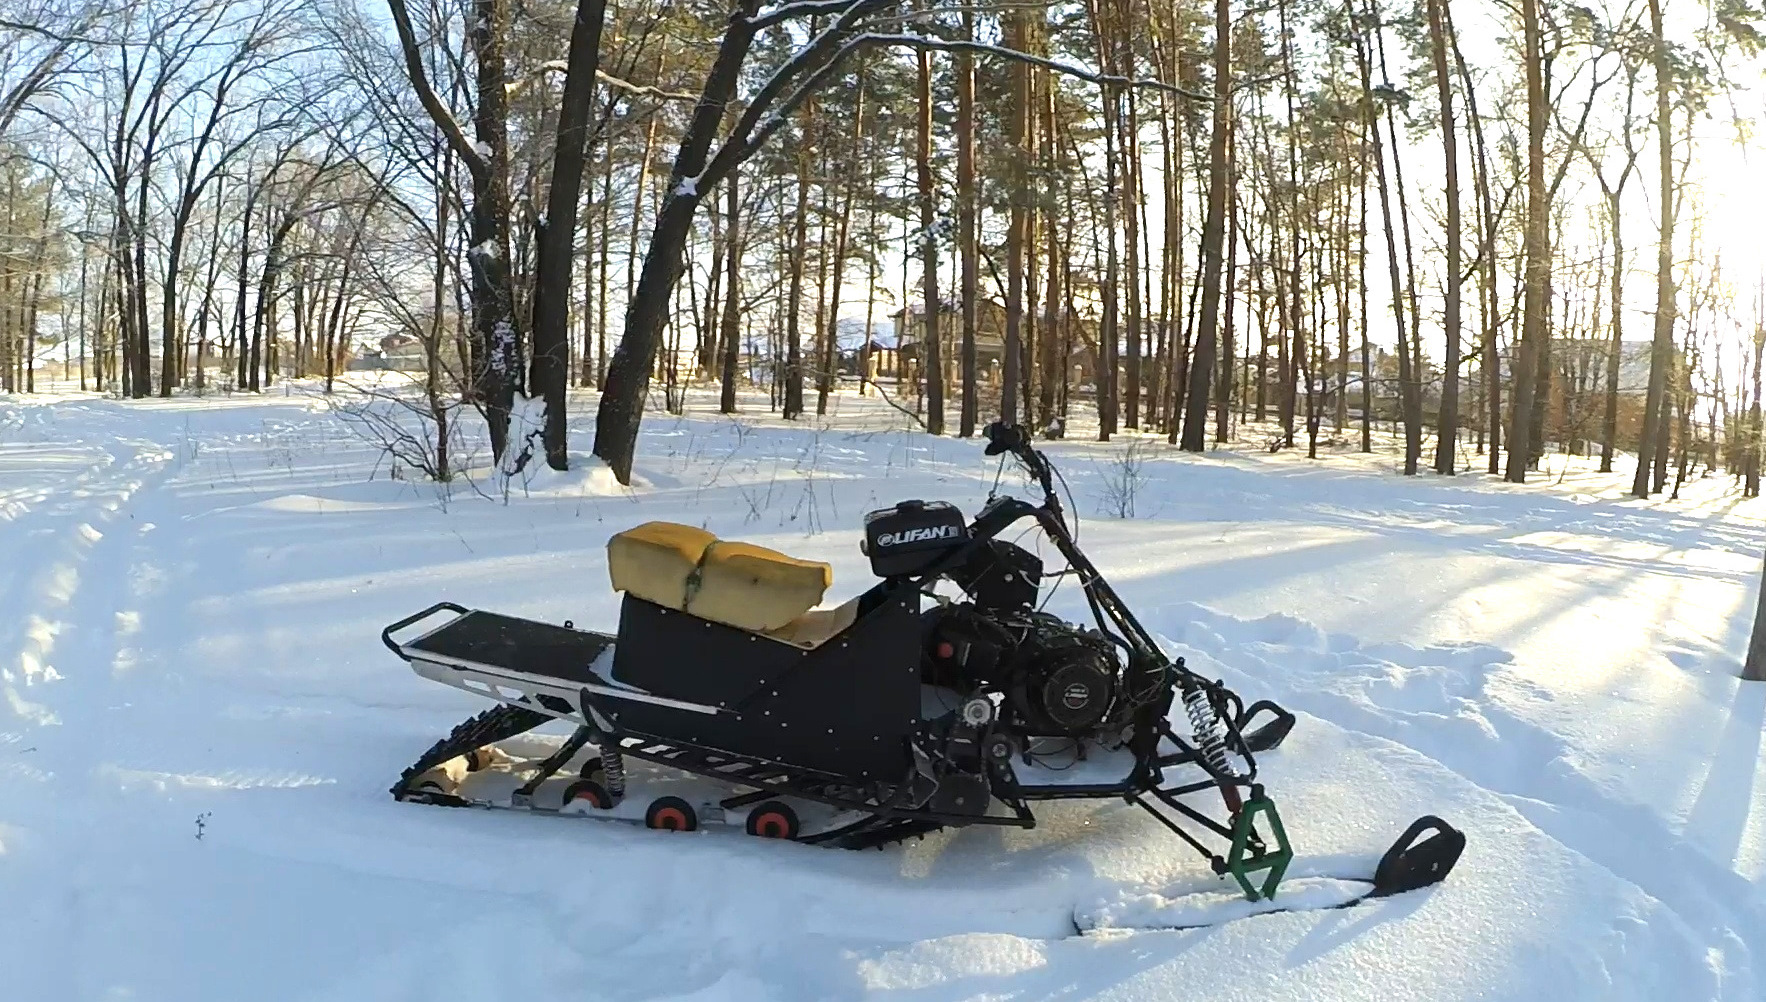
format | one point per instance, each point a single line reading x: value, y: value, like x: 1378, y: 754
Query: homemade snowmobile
x: 940, y: 696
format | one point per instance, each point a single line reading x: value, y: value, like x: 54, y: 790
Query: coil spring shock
x: 613, y: 765
x: 1205, y: 728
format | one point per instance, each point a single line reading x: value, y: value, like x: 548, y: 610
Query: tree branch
x: 1066, y: 69
x: 444, y: 119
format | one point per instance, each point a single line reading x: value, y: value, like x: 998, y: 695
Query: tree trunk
x: 1754, y: 668
x: 969, y: 280
x: 628, y: 375
x: 1224, y: 393
x: 1295, y: 328
x: 1054, y: 361
x: 1522, y: 435
x: 1017, y: 128
x: 1663, y: 345
x: 1367, y: 374
x: 1397, y: 280
x: 1196, y: 398
x: 933, y: 368
x: 730, y: 327
x: 1751, y: 458
x: 1131, y: 193
x: 549, y: 369
x: 1610, y: 419
x: 1447, y: 425
x: 794, y: 296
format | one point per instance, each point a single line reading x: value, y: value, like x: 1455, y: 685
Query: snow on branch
x: 559, y: 66
x: 799, y: 8
x: 638, y: 88
x: 1066, y: 69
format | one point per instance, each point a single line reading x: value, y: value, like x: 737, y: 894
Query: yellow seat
x: 755, y: 588
x: 739, y: 584
x: 657, y: 561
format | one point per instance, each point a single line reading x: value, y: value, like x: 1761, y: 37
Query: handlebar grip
x: 1003, y: 437
x: 386, y: 634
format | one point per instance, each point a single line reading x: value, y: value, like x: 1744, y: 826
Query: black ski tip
x: 1425, y: 854
x: 1269, y: 735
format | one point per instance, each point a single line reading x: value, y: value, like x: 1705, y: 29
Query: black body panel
x: 514, y: 644
x: 848, y: 706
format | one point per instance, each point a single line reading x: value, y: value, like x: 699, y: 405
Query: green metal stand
x: 1251, y: 853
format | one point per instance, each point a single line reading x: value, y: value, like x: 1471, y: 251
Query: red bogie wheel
x: 773, y: 819
x: 671, y: 814
x: 589, y: 793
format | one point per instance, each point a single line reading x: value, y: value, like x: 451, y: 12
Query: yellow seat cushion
x: 753, y: 588
x: 657, y: 561
x: 685, y: 568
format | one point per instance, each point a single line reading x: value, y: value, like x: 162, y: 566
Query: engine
x: 1055, y: 679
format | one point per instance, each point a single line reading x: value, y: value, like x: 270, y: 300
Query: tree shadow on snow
x: 1719, y: 817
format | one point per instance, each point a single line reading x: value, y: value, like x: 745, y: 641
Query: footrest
x: 512, y: 644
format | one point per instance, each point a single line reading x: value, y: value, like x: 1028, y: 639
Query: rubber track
x: 499, y: 723
x: 504, y: 721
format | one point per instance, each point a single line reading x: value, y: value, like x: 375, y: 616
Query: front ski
x: 1422, y: 856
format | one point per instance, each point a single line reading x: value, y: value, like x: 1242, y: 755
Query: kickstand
x: 523, y: 797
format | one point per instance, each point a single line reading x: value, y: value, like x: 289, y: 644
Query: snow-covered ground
x: 199, y: 726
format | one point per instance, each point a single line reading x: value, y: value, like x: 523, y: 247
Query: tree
x: 486, y: 158
x: 1447, y: 426
x: 1213, y: 235
x: 550, y: 367
x: 1662, y: 345
x: 1538, y: 274
x: 1754, y: 667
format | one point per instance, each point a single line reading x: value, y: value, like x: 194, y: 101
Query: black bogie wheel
x: 588, y: 792
x: 773, y: 819
x: 671, y: 814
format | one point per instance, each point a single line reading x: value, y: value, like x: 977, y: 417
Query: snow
x: 198, y: 726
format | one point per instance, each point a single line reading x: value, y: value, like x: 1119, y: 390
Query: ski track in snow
x: 199, y: 726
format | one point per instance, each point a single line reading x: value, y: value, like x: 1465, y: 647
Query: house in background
x: 403, y: 353
x: 1078, y: 334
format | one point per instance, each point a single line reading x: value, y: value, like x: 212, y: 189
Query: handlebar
x: 1002, y: 438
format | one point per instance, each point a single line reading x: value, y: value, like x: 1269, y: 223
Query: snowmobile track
x: 499, y: 723
x: 504, y: 721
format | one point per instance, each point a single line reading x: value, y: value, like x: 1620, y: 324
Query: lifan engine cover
x: 909, y: 537
x: 1068, y: 686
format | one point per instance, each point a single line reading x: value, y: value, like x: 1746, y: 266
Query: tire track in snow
x: 1438, y: 702
x: 48, y: 598
x: 39, y: 538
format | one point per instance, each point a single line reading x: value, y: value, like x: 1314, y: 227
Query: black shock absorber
x: 613, y: 765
